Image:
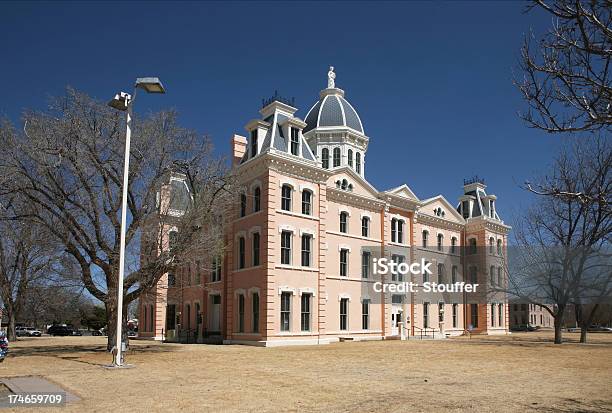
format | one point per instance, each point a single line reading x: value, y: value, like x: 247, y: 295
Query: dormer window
x: 350, y: 157
x: 295, y: 141
x: 325, y: 158
x: 465, y: 209
x: 358, y: 162
x: 254, y: 143
x: 492, y: 208
x: 336, y: 157
x: 439, y: 212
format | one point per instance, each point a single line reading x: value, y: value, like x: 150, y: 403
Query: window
x: 256, y: 249
x: 472, y: 249
x: 492, y: 315
x: 243, y: 204
x: 474, y: 315
x: 465, y: 209
x: 336, y: 157
x: 286, y: 247
x: 425, y: 275
x: 216, y: 269
x: 171, y: 280
x: 306, y: 249
x: 257, y: 199
x: 152, y: 318
x: 344, y: 313
x: 440, y: 312
x: 499, y: 247
x: 366, y: 257
x: 241, y: 252
x: 455, y: 314
x: 453, y: 245
x: 397, y: 276
x: 400, y: 231
x: 397, y: 299
x: 440, y: 240
x: 198, y: 278
x: 358, y: 162
x: 500, y: 280
x: 344, y: 262
x: 285, y: 311
x: 172, y: 240
x: 426, y: 314
x: 365, y: 314
x: 491, y: 245
x: 343, y: 222
x: 188, y: 274
x: 241, y: 313
x: 286, y: 198
x: 306, y: 202
x: 170, y: 317
x: 365, y: 227
x: 253, y: 143
x: 295, y: 141
x: 441, y: 274
x: 425, y: 238
x: 393, y: 230
x: 350, y: 157
x: 325, y: 158
x: 305, y: 312
x: 492, y: 275
x: 454, y: 274
x: 255, y: 304
x: 500, y: 318
x: 187, y: 316
x: 473, y: 275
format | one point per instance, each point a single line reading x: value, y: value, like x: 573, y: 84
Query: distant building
x: 523, y: 313
x: 298, y: 269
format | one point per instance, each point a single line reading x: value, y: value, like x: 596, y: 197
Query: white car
x: 27, y: 332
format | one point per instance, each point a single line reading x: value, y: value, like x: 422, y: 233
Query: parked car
x: 524, y: 327
x: 58, y: 330
x: 77, y: 332
x: 27, y: 332
x: 132, y: 333
x: 96, y: 333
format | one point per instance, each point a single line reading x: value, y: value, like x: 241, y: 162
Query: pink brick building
x: 298, y: 269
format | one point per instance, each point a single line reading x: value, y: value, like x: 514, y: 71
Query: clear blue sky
x: 432, y: 82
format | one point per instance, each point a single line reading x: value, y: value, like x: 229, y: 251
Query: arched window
x: 187, y: 316
x: 500, y: 277
x: 295, y: 141
x: 472, y: 249
x: 440, y: 240
x: 350, y: 157
x: 453, y: 245
x: 256, y: 249
x: 306, y: 202
x: 425, y: 238
x: 393, y: 230
x: 172, y: 240
x: 241, y: 252
x: 400, y: 231
x: 257, y: 199
x: 358, y: 162
x: 336, y: 157
x: 286, y: 198
x: 491, y: 245
x: 344, y: 184
x: 365, y: 227
x: 454, y: 274
x: 243, y: 204
x: 343, y: 222
x: 492, y: 274
x: 499, y: 247
x: 441, y: 274
x: 152, y: 319
x: 325, y: 158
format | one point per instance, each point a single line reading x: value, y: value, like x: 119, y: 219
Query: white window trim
x: 289, y: 182
x: 254, y: 230
x: 308, y: 290
x: 348, y: 211
x: 240, y: 234
x: 366, y: 214
x: 344, y: 247
x: 286, y: 289
x: 308, y: 231
x: 285, y: 227
x: 256, y: 183
x: 253, y: 290
x: 239, y: 291
x: 344, y: 295
x: 309, y: 188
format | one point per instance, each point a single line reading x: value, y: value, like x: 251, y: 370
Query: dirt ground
x: 521, y: 372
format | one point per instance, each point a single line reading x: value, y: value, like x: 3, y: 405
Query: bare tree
x: 566, y: 72
x: 68, y: 162
x: 563, y: 241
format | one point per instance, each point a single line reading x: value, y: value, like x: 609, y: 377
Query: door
x: 215, y: 322
x: 396, y: 320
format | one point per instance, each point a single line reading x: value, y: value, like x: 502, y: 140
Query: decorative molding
x: 286, y: 289
x: 308, y: 290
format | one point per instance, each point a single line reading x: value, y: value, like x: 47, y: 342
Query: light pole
x: 124, y: 102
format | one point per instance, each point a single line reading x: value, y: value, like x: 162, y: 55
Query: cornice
x: 354, y: 199
x: 440, y: 222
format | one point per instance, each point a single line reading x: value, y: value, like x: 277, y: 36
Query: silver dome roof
x: 333, y: 110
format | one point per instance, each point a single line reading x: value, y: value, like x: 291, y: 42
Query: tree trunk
x: 111, y: 323
x: 586, y: 322
x: 11, y: 333
x: 558, y: 326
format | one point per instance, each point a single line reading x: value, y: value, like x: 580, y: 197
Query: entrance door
x: 215, y: 322
x: 396, y: 320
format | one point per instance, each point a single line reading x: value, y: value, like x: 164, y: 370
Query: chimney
x: 239, y: 147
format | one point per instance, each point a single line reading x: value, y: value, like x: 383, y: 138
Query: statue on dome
x: 331, y: 76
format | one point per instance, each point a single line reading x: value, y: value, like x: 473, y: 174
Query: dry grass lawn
x: 523, y: 372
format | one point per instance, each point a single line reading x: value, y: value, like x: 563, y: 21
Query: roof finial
x: 331, y: 76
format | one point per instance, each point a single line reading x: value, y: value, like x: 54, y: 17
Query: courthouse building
x: 302, y: 240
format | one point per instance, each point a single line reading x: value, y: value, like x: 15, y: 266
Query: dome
x: 333, y: 110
